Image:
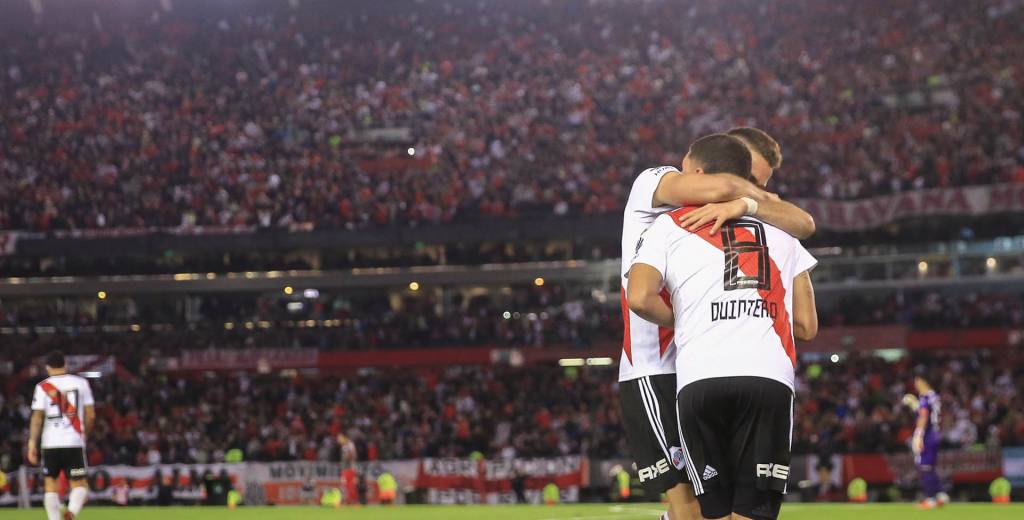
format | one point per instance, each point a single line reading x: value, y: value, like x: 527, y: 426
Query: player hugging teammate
x: 659, y: 352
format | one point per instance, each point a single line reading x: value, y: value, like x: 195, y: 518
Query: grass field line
x: 613, y: 512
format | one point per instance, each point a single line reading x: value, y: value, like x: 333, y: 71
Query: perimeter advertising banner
x: 302, y: 482
x: 184, y: 482
x: 954, y: 466
x: 1013, y: 465
x: 466, y: 481
x: 281, y: 483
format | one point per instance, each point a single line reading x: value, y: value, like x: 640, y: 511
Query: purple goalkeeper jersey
x: 930, y: 402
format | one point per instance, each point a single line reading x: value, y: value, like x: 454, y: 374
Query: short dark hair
x: 55, y: 359
x: 761, y: 142
x: 720, y: 153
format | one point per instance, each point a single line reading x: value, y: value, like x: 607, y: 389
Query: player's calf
x: 76, y: 499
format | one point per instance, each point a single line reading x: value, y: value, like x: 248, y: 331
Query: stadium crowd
x: 855, y: 405
x: 460, y: 315
x: 554, y: 315
x: 560, y: 315
x: 851, y: 406
x: 262, y: 115
x: 550, y: 315
x: 388, y: 414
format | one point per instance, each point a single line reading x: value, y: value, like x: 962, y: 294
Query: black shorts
x: 649, y: 417
x: 737, y: 434
x: 69, y: 460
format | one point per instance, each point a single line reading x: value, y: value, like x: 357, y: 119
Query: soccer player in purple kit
x: 925, y: 443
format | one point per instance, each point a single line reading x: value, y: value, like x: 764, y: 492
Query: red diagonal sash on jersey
x: 776, y: 295
x: 665, y: 334
x: 66, y: 408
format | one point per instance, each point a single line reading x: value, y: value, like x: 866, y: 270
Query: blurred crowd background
x: 260, y: 115
x: 330, y: 136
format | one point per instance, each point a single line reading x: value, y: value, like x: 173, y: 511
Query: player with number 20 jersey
x: 62, y: 413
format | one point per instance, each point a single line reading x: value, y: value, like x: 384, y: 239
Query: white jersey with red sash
x: 647, y: 349
x: 733, y: 291
x: 61, y: 399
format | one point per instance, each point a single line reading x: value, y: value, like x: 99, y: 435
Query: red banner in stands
x: 467, y: 481
x: 859, y: 215
x: 833, y: 339
x: 250, y: 359
x: 955, y: 466
x: 969, y: 338
x: 840, y: 339
x: 406, y: 357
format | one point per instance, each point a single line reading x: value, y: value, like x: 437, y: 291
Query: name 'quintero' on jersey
x: 62, y: 399
x: 647, y: 349
x: 733, y: 291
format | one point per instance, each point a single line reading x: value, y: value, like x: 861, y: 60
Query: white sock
x: 664, y: 516
x: 77, y: 499
x: 51, y: 502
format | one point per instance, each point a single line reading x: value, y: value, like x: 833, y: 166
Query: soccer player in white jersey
x: 739, y: 292
x: 647, y: 387
x: 63, y: 412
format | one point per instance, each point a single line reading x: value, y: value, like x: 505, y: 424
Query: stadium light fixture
x: 507, y: 315
x: 102, y: 295
x: 991, y: 263
x: 289, y: 290
x: 834, y: 358
x: 414, y: 286
x: 411, y: 151
x: 539, y: 282
x: 136, y: 327
x: 571, y: 362
x: 922, y: 268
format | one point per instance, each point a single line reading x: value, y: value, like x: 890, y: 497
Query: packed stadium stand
x: 267, y: 117
x: 259, y: 225
x: 849, y: 407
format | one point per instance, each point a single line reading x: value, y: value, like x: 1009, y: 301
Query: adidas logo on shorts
x: 709, y: 473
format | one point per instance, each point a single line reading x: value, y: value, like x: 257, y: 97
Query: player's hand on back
x: 716, y: 214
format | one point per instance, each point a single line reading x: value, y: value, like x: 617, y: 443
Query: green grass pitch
x: 563, y: 512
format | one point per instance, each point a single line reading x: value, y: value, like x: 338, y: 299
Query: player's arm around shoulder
x: 728, y: 197
x: 687, y: 189
x: 786, y: 216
